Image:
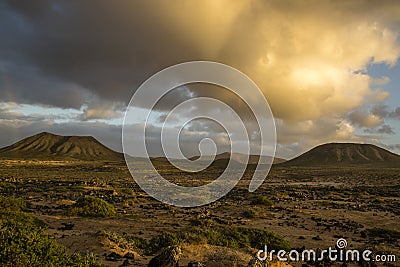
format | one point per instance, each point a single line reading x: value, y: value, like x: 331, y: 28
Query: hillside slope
x: 241, y: 158
x: 345, y: 154
x: 50, y: 146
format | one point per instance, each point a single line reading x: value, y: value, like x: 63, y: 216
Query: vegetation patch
x: 387, y: 234
x: 231, y: 237
x: 237, y: 237
x: 127, y: 191
x: 9, y: 204
x: 249, y: 214
x: 162, y: 241
x: 124, y: 241
x: 7, y: 185
x: 262, y: 200
x: 24, y: 243
x: 90, y: 206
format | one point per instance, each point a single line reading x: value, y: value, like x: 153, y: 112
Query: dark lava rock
x: 66, y: 226
x: 169, y: 257
x: 113, y: 257
x: 196, y: 264
x: 317, y: 238
x: 126, y: 263
x: 129, y: 255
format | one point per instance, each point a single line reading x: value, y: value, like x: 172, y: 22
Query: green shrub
x: 249, y: 214
x: 125, y: 241
x: 232, y: 237
x: 127, y: 191
x: 149, y: 247
x: 209, y: 236
x: 262, y: 200
x: 61, y: 189
x: 162, y: 241
x: 9, y: 204
x: 90, y: 206
x: 28, y: 245
x: 388, y: 234
x: 237, y: 237
x: 24, y: 243
x: 137, y: 242
x: 7, y: 185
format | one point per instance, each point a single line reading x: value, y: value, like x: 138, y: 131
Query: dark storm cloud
x: 385, y: 111
x: 109, y: 48
x: 374, y: 120
x: 384, y: 129
x: 363, y: 119
x: 63, y: 52
x: 92, y: 55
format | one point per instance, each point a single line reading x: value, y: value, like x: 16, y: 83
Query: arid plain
x: 335, y: 191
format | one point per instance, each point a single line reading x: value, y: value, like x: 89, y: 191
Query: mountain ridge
x: 344, y: 154
x: 46, y: 145
x: 241, y: 158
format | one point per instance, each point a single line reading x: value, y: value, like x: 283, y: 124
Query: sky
x: 329, y: 69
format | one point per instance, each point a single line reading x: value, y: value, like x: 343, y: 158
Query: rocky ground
x: 309, y: 207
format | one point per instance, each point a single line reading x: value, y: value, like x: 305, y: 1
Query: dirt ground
x: 310, y: 207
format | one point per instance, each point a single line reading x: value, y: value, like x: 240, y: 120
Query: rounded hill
x: 50, y: 146
x: 345, y: 154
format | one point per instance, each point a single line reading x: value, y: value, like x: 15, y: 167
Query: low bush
x: 231, y: 237
x: 124, y: 241
x: 249, y: 214
x: 162, y: 241
x: 8, y: 204
x: 387, y: 234
x: 7, y: 185
x: 127, y: 190
x: 262, y: 200
x: 90, y: 206
x: 237, y: 237
x: 23, y: 241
